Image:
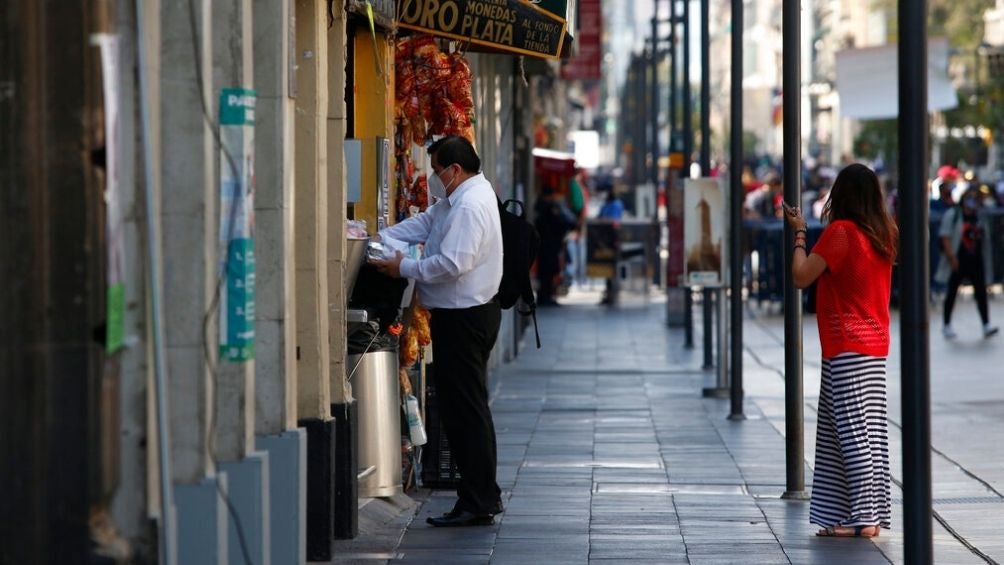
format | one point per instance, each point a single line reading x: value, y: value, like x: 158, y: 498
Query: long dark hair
x: 857, y: 196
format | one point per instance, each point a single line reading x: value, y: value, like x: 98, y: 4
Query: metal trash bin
x: 378, y: 401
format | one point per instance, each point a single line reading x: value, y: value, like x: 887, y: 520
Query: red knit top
x: 852, y: 294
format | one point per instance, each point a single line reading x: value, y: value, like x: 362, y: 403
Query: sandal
x: 845, y: 532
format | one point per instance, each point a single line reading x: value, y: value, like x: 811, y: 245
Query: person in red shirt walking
x: 852, y: 267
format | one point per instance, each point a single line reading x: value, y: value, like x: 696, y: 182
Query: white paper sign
x: 704, y: 232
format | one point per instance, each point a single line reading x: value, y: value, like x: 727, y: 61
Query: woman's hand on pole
x: 793, y: 216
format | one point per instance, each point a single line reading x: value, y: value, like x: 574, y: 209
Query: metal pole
x: 736, y: 212
x: 705, y: 89
x: 721, y: 388
x: 654, y: 121
x: 706, y: 309
x: 705, y: 162
x: 641, y: 93
x: 675, y: 133
x: 688, y: 148
x: 914, y: 277
x: 166, y: 526
x: 793, y: 407
x: 674, y: 70
x: 723, y: 338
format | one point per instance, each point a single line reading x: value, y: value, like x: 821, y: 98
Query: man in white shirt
x: 457, y: 279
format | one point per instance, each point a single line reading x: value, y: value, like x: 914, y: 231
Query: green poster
x: 237, y: 297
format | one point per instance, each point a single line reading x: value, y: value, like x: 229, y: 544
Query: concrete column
x: 311, y: 250
x: 188, y: 190
x: 275, y: 363
x: 343, y: 406
x: 232, y: 68
x: 311, y: 222
x: 130, y: 504
x: 337, y: 212
x: 234, y: 442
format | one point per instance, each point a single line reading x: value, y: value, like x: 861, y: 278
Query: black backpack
x: 520, y: 243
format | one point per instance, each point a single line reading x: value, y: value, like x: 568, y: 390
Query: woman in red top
x: 852, y: 267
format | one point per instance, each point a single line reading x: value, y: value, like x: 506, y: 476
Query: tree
x: 961, y: 21
x: 878, y: 138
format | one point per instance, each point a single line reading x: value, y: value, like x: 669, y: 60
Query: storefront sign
x: 564, y: 9
x: 237, y: 265
x: 585, y: 65
x: 515, y: 26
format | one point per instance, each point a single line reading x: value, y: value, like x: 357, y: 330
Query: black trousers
x: 970, y: 267
x: 462, y: 341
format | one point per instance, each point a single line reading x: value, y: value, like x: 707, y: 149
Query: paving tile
x: 608, y: 454
x: 548, y: 505
x: 550, y: 530
x: 667, y: 559
x: 445, y: 555
x: 635, y: 552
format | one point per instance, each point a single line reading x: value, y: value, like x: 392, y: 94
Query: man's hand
x: 390, y: 267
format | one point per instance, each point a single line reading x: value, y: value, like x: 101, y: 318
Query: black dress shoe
x: 463, y: 519
x: 497, y: 509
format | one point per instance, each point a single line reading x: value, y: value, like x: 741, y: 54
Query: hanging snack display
x: 433, y: 91
x: 433, y: 97
x: 418, y: 335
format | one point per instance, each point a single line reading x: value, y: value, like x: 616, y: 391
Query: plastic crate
x: 439, y: 470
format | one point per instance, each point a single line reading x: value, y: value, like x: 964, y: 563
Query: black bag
x: 520, y: 244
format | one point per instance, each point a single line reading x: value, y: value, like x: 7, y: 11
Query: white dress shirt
x: 461, y: 266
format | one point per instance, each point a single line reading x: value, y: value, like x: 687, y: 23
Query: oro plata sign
x: 515, y: 26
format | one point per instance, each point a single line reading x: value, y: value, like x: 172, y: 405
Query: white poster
x: 868, y: 80
x: 704, y: 231
x: 115, y: 214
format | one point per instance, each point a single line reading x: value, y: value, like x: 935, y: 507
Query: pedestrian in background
x: 966, y: 255
x: 578, y: 203
x: 612, y: 211
x: 553, y: 220
x: 613, y: 207
x: 942, y: 188
x: 853, y: 264
x: 765, y: 202
x: 457, y: 279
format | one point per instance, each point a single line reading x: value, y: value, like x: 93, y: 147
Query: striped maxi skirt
x: 851, y: 479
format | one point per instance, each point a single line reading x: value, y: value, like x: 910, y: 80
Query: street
x: 608, y: 453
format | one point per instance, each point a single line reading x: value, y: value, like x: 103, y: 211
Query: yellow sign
x: 515, y: 26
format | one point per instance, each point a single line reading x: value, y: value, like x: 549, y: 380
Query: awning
x: 868, y: 83
x: 512, y: 26
x: 555, y: 162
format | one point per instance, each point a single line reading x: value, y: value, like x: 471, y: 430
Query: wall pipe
x: 166, y: 525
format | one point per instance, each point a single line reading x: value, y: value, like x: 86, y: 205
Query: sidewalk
x: 608, y: 454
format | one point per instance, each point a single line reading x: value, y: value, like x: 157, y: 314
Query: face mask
x: 436, y: 187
